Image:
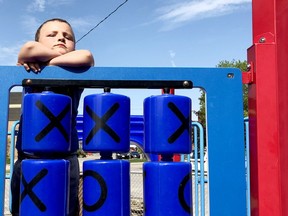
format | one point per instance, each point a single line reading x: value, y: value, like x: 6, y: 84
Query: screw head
x: 248, y: 67
x: 230, y: 75
x: 186, y: 84
x: 28, y: 81
x: 262, y: 40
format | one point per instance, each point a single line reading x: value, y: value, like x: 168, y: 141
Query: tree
x: 242, y: 65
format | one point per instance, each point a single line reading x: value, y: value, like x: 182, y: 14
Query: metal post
x: 268, y: 108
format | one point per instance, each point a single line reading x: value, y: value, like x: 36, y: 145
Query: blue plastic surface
x: 106, y: 123
x: 167, y: 189
x: 106, y: 188
x: 46, y: 122
x: 44, y: 187
x: 224, y: 110
x: 167, y: 124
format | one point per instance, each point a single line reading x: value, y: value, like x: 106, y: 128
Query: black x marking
x: 184, y: 126
x: 55, y: 121
x: 100, y: 123
x: 28, y: 189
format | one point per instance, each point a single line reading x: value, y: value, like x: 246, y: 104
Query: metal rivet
x: 107, y: 89
x: 29, y: 81
x: 248, y: 67
x: 230, y: 75
x: 262, y: 40
x: 186, y: 84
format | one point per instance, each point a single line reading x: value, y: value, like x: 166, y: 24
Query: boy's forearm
x: 77, y: 58
x: 35, y: 52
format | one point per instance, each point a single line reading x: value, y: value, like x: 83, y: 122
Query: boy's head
x: 56, y: 34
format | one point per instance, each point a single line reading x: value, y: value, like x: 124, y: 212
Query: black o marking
x: 104, y: 191
x: 181, y: 197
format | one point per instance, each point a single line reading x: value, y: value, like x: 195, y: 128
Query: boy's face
x: 57, y: 36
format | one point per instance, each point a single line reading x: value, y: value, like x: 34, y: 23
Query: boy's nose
x: 61, y: 39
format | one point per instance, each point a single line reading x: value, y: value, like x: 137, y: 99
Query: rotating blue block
x: 106, y: 123
x: 44, y: 187
x: 106, y: 188
x: 167, y: 124
x: 167, y: 189
x: 46, y: 122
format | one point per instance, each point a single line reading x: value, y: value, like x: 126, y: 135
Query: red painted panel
x: 263, y: 18
x: 268, y: 108
x: 263, y: 118
x: 282, y: 72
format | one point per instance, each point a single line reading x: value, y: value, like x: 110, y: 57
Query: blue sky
x: 149, y: 33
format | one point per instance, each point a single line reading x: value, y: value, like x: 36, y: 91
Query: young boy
x: 54, y: 45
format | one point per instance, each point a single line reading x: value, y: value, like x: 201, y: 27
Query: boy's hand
x: 31, y: 66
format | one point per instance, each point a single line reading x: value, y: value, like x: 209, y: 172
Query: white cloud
x: 30, y: 25
x: 37, y: 6
x: 172, y: 53
x: 8, y: 55
x: 59, y: 2
x: 172, y: 56
x: 82, y: 24
x: 41, y: 5
x: 179, y: 13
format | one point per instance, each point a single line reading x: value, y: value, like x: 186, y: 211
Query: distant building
x: 15, y: 100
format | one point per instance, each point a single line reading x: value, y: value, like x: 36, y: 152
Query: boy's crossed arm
x: 33, y: 55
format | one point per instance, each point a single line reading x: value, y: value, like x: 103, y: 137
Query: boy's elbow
x: 25, y: 51
x: 29, y: 45
x: 89, y: 59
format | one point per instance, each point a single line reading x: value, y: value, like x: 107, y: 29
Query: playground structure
x: 198, y: 161
x: 268, y: 111
x: 268, y: 108
x: 227, y: 134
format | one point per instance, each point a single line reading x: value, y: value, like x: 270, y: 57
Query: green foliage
x: 242, y: 65
x: 201, y: 113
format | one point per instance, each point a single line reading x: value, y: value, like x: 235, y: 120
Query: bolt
x: 262, y: 40
x: 107, y: 89
x: 29, y: 82
x: 248, y: 67
x: 230, y: 75
x: 166, y: 90
x: 186, y: 84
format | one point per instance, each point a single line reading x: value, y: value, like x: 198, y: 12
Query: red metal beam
x: 268, y: 108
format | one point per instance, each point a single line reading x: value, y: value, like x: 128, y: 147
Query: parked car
x: 134, y: 154
x: 123, y: 155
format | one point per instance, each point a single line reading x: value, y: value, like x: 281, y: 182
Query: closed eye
x: 68, y: 37
x: 53, y: 34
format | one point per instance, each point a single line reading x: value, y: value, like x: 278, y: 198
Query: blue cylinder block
x: 46, y: 122
x: 106, y: 188
x: 106, y: 123
x: 167, y: 189
x: 167, y: 124
x: 44, y: 187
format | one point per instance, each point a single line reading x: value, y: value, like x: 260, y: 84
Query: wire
x: 102, y: 21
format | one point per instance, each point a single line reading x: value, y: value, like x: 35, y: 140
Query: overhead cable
x: 119, y: 6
